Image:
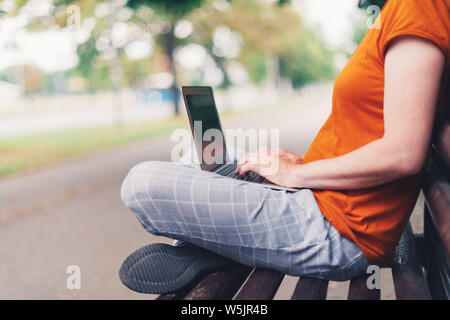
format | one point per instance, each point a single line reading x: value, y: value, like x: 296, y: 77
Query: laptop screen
x: 204, y: 117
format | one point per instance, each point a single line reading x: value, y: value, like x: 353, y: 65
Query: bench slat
x: 437, y: 196
x: 310, y: 289
x: 409, y: 280
x: 358, y: 289
x: 438, y: 274
x: 220, y: 285
x: 261, y: 285
x: 441, y: 139
x: 409, y: 283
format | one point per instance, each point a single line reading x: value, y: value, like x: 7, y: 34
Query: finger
x: 249, y: 167
x: 291, y: 156
x: 286, y: 154
x: 242, y: 161
x: 251, y: 159
x: 282, y: 151
x: 248, y: 157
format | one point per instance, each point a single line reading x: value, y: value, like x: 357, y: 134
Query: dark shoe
x: 162, y: 268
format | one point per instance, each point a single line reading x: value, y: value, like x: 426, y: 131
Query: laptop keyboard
x: 229, y: 170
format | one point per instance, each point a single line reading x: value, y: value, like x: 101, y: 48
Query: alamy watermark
x: 74, y: 18
x: 374, y: 280
x: 374, y: 17
x: 73, y: 281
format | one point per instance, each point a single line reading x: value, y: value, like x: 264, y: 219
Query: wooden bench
x: 420, y: 268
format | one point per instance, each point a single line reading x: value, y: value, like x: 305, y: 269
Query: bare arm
x: 413, y: 71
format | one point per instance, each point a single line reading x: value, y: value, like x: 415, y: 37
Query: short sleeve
x: 429, y: 19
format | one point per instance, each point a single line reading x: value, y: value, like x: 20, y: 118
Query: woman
x: 359, y: 179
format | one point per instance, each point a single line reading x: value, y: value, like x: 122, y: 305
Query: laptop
x: 201, y: 109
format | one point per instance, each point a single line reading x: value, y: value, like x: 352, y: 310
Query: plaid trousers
x: 245, y: 222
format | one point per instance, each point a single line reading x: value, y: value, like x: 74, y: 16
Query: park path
x: 70, y: 213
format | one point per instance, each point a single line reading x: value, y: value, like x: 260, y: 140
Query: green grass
x: 24, y: 152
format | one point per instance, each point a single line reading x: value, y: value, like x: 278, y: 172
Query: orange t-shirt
x: 374, y: 217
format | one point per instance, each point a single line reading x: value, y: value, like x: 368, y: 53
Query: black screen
x: 203, y: 109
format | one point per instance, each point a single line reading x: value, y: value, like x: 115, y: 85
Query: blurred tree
x: 105, y: 30
x: 159, y: 24
x: 272, y: 37
x: 168, y: 13
x: 307, y: 61
x: 101, y: 50
x: 360, y: 30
